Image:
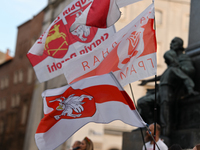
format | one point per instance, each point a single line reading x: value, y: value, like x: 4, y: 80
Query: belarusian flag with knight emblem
x: 68, y: 108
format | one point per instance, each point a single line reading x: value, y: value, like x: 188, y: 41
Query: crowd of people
x: 87, y: 144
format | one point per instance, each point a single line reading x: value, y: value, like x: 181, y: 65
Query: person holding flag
x: 150, y: 141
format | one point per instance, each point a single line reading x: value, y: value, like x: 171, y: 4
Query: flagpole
x: 155, y: 103
x: 155, y: 111
x: 132, y: 95
x: 137, y: 109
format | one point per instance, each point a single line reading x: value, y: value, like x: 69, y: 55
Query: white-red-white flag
x: 130, y: 53
x: 101, y: 13
x: 99, y: 99
x: 57, y: 45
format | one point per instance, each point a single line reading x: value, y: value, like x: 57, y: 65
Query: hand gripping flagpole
x: 147, y: 126
x: 152, y: 137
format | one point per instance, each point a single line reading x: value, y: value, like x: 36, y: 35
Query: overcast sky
x: 12, y: 14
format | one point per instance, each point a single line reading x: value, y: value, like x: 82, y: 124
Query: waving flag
x: 99, y: 99
x: 101, y: 13
x: 57, y: 45
x: 130, y: 53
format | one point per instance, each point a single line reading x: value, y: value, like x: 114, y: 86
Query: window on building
x: 15, y: 78
x: 2, y: 104
x: 20, y: 75
x: 24, y: 114
x: 29, y: 75
x: 158, y: 17
x: 4, y: 82
x: 15, y: 100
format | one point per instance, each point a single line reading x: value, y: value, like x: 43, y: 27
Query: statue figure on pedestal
x: 178, y: 76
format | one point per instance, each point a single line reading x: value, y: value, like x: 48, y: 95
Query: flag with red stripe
x: 57, y: 45
x: 101, y: 13
x: 130, y: 53
x: 99, y: 99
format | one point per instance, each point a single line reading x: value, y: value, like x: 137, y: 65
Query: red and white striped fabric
x: 99, y: 99
x: 101, y: 13
x: 130, y: 53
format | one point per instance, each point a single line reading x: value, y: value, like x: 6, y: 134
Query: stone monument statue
x: 173, y: 82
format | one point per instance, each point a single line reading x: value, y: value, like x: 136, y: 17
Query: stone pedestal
x: 185, y: 130
x: 133, y: 140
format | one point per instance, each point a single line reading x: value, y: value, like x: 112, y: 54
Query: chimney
x: 8, y: 57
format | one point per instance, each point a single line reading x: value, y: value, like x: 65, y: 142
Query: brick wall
x: 17, y: 79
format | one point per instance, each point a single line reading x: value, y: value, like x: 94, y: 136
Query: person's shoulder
x: 147, y: 144
x: 162, y: 145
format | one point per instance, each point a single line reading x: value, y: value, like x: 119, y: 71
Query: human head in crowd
x: 76, y: 145
x: 86, y: 144
x: 151, y: 128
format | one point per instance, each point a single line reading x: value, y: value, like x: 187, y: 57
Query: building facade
x: 21, y: 109
x: 17, y: 82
